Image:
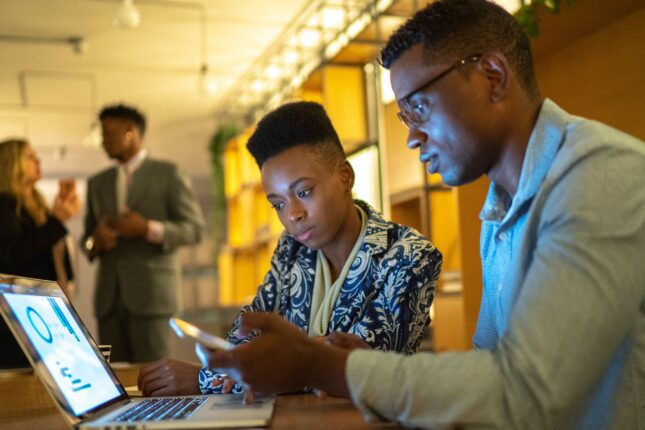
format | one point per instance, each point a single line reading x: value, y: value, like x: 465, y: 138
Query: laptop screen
x: 60, y: 347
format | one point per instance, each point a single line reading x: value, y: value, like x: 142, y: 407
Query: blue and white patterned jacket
x: 385, y: 298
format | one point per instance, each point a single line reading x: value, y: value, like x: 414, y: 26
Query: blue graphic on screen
x: 66, y: 353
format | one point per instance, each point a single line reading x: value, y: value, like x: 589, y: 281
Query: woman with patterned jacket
x: 338, y: 267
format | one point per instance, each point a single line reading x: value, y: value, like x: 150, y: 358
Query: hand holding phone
x: 186, y: 330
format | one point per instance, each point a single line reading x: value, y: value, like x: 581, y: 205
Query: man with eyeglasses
x: 560, y: 340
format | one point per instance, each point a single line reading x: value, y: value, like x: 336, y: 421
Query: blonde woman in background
x: 32, y: 235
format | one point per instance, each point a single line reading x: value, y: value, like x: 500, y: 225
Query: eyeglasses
x: 420, y: 112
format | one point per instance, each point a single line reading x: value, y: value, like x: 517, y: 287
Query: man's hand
x: 347, y: 341
x: 105, y: 236
x: 131, y: 225
x: 341, y: 340
x: 168, y: 377
x: 282, y: 358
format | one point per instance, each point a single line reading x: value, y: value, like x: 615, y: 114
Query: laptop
x: 11, y: 359
x: 81, y: 382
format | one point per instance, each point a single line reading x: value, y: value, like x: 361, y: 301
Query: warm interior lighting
x: 207, y: 82
x: 387, y: 95
x: 127, y: 15
x: 258, y: 86
x: 365, y: 164
x: 309, y: 37
x: 273, y: 72
x: 290, y: 56
x: 510, y: 5
x: 318, y: 34
x: 333, y: 17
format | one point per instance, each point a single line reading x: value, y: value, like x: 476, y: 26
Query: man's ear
x: 132, y: 133
x: 496, y: 68
x: 347, y: 175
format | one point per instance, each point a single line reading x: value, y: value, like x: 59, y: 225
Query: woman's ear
x: 347, y: 175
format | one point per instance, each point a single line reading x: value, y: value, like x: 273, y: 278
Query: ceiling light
x: 127, y: 15
x: 290, y: 57
x: 273, y: 72
x: 316, y: 35
x: 258, y: 86
x: 309, y: 37
x: 333, y: 17
x: 207, y: 83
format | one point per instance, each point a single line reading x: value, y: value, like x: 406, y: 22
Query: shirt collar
x: 135, y: 162
x: 544, y: 143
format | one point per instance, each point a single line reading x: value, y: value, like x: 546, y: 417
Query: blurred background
x: 204, y: 71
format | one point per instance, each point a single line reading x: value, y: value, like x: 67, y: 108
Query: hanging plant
x: 527, y: 15
x: 216, y: 149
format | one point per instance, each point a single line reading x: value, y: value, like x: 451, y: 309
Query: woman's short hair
x: 293, y: 124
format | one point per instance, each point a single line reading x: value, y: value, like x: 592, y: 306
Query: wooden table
x: 26, y: 405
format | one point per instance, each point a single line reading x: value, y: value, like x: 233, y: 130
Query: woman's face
x: 30, y: 164
x: 311, y: 196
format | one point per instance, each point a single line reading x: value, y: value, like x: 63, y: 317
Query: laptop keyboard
x: 162, y: 409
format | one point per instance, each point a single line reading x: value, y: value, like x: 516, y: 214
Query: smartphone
x: 186, y: 330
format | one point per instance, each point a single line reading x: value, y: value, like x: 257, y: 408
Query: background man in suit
x: 138, y: 213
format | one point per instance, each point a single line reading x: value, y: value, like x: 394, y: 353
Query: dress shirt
x: 561, y: 332
x: 125, y: 172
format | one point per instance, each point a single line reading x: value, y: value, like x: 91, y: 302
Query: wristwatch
x: 89, y: 244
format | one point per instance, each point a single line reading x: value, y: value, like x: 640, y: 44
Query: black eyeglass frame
x: 403, y: 116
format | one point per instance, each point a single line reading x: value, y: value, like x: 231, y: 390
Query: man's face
x: 456, y: 138
x: 119, y: 138
x: 309, y: 195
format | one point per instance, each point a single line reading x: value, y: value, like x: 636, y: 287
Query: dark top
x: 25, y: 250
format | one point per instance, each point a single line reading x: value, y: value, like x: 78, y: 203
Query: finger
x: 227, y: 386
x: 258, y: 321
x: 163, y: 391
x: 217, y: 382
x: 336, y: 339
x: 148, y: 369
x: 157, y: 386
x: 219, y: 360
x: 320, y: 339
x: 249, y: 397
x: 151, y: 378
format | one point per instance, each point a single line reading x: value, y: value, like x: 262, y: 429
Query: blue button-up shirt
x: 560, y: 341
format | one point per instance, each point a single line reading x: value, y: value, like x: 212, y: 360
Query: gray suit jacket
x: 148, y: 276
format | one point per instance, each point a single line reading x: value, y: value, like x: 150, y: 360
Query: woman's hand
x: 227, y: 384
x: 168, y: 377
x: 66, y: 204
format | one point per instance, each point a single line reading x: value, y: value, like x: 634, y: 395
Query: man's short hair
x: 293, y: 124
x: 125, y: 112
x: 454, y: 29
